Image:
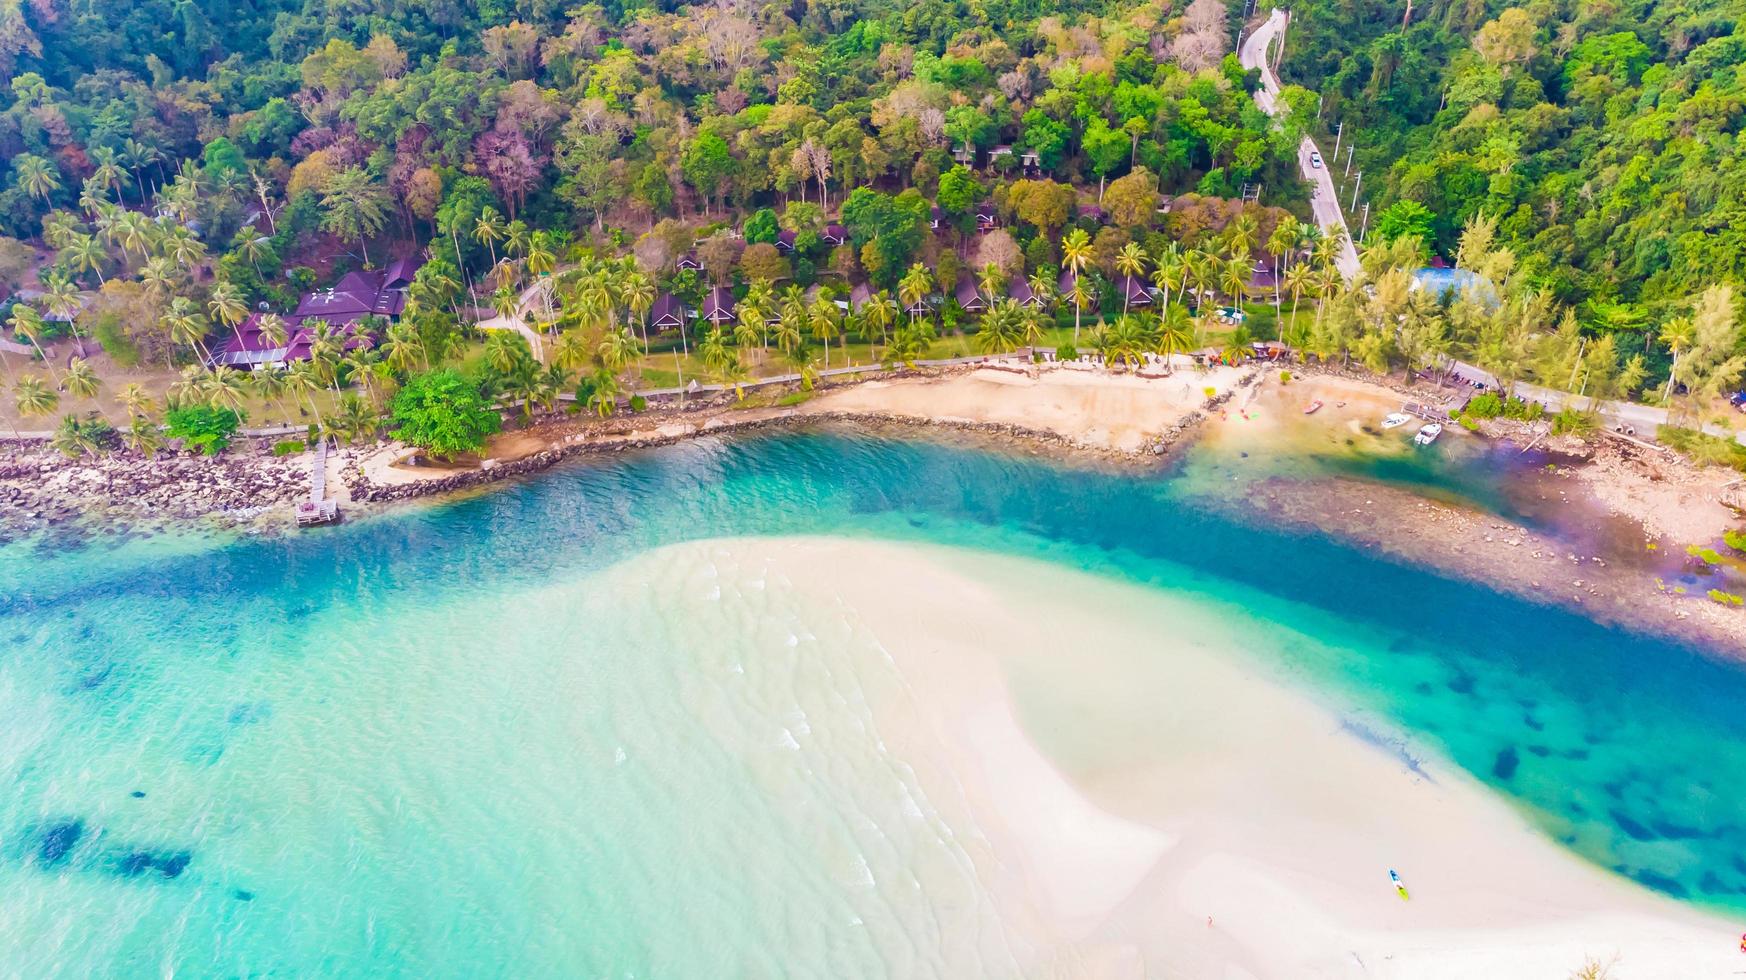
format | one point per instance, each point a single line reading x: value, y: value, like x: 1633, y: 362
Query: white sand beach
x: 1093, y: 408
x: 1156, y: 804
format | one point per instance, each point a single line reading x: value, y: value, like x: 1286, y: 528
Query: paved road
x: 1323, y: 201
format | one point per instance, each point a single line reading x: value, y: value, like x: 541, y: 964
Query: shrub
x: 794, y: 398
x: 444, y: 414
x: 1726, y: 598
x: 203, y: 427
x: 88, y: 436
x: 1467, y: 422
x: 1211, y: 392
x: 1285, y: 377
x: 1066, y: 352
x: 288, y: 447
x: 1486, y: 406
x: 1572, y: 422
x: 115, y: 341
x: 1735, y: 540
x: 1704, y: 448
x: 638, y: 403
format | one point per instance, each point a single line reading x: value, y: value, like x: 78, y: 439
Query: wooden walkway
x: 318, y: 509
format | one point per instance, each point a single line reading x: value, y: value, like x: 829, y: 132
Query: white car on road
x: 1315, y: 159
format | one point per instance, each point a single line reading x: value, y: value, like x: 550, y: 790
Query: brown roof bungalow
x: 968, y: 296
x: 668, y: 312
x: 718, y: 306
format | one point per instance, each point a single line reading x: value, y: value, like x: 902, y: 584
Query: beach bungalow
x: 785, y: 242
x: 1135, y: 291
x: 835, y: 234
x: 718, y: 306
x: 1272, y: 350
x: 986, y: 218
x: 921, y: 307
x: 1029, y: 160
x: 964, y: 154
x: 968, y: 296
x: 668, y: 313
x: 1261, y: 277
x: 689, y: 261
x: 999, y: 156
x: 1019, y: 291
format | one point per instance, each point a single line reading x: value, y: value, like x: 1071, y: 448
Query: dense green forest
x: 1602, y: 136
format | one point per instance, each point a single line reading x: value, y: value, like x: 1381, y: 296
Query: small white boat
x: 1396, y: 420
x: 1428, y: 434
x: 1313, y: 407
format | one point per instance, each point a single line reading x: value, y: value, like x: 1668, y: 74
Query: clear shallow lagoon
x: 451, y: 742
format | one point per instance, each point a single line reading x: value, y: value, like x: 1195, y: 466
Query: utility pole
x: 1365, y: 226
x: 1355, y: 185
x: 1339, y: 131
x: 1348, y: 159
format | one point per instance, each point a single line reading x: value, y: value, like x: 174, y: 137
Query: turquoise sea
x: 461, y: 740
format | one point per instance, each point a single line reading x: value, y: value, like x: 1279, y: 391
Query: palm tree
x: 1078, y: 296
x: 1175, y: 335
x: 81, y: 381
x: 139, y: 156
x: 1167, y: 270
x: 254, y: 248
x: 617, y: 349
x: 86, y: 254
x: 159, y: 276
x: 26, y: 322
x: 1076, y: 255
x: 1130, y: 262
x: 991, y: 279
x: 226, y: 304
x: 303, y: 380
x: 505, y: 350
x: 135, y: 400
x: 749, y: 327
x: 571, y: 351
x: 184, y: 249
x: 32, y: 397
x: 823, y: 319
x: 223, y: 387
x: 272, y: 384
x: 913, y: 288
x: 143, y: 436
x: 638, y: 295
x: 879, y: 312
x: 62, y: 299
x: 185, y: 324
x: 402, y: 348
x: 36, y: 176
x: 1677, y: 334
x: 603, y: 393
x: 355, y: 207
x: 1233, y: 277
x: 488, y: 230
x: 1000, y: 331
x: 790, y: 326
x: 273, y: 329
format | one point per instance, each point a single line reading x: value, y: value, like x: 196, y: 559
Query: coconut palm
x: 504, y: 350
x: 638, y: 295
x: 990, y: 280
x: 32, y: 397
x: 254, y: 248
x: 132, y: 231
x: 272, y: 385
x: 223, y: 387
x: 85, y: 253
x: 1078, y: 295
x: 354, y: 206
x: 1076, y: 251
x: 185, y: 324
x: 488, y: 230
x: 1678, y: 334
x: 1233, y: 278
x: 1175, y: 335
x: 159, y: 276
x: 1167, y: 272
x: 1001, y: 331
x: 401, y: 349
x: 879, y: 312
x: 62, y: 299
x: 603, y: 393
x: 617, y: 349
x: 35, y: 176
x: 135, y: 400
x: 1042, y: 289
x: 748, y: 327
x: 302, y: 381
x: 914, y: 288
x: 227, y: 306
x: 824, y: 320
x: 143, y: 436
x: 273, y: 329
x: 80, y: 380
x: 571, y: 351
x: 26, y: 322
x: 1131, y: 262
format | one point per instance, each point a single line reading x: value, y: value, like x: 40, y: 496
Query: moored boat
x: 1396, y: 420
x: 1428, y: 434
x: 1313, y: 407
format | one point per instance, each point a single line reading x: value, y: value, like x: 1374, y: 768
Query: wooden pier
x: 318, y: 509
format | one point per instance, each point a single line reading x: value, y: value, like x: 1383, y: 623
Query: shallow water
x: 451, y: 741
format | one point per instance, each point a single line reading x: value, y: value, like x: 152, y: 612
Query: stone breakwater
x: 41, y: 488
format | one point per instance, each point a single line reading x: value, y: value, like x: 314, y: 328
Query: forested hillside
x: 566, y: 111
x: 1603, y: 136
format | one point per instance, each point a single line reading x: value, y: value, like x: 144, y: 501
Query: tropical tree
x: 1130, y: 261
x: 32, y: 397
x: 143, y: 436
x: 824, y: 320
x: 354, y: 207
x: 35, y: 176
x: 1175, y: 335
x: 26, y: 322
x: 488, y: 230
x: 81, y: 380
x: 914, y: 288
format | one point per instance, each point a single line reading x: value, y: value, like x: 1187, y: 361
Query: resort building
x: 346, y: 308
x: 668, y: 313
x: 718, y: 306
x: 968, y: 295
